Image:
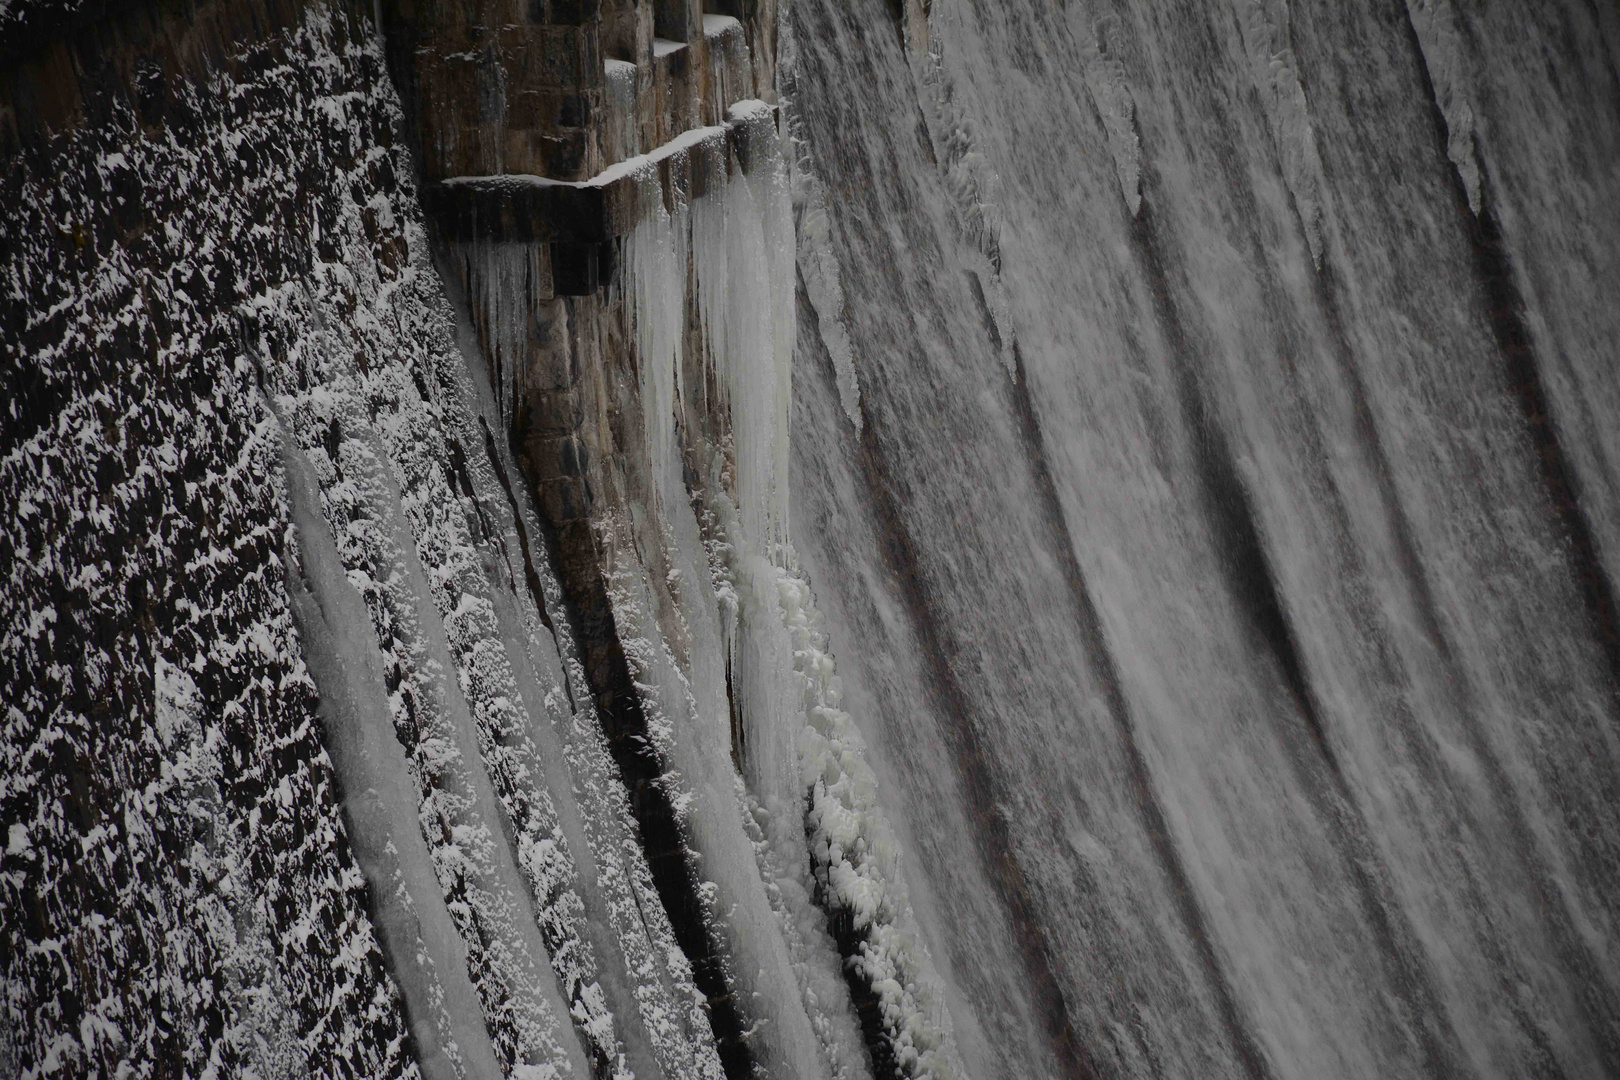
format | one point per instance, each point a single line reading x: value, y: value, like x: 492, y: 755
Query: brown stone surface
x: 564, y: 361
x: 519, y: 87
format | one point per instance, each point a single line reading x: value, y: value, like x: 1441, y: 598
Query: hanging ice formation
x: 734, y: 745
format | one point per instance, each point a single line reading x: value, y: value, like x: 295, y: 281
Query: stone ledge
x: 532, y: 209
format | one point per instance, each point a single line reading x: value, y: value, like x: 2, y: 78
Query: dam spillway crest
x: 790, y: 540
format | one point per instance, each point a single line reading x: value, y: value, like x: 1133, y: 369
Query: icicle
x: 506, y: 282
x: 655, y: 275
x: 623, y: 137
x: 743, y: 249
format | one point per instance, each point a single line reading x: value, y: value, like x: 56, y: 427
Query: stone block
x: 564, y: 501
x: 575, y: 269
x: 561, y: 58
x: 553, y: 412
x: 566, y: 155
x: 675, y: 87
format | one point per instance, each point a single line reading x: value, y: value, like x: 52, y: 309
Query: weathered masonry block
x: 563, y: 89
x: 521, y: 109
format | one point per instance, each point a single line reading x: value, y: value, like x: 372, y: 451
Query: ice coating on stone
x: 372, y: 442
x: 623, y: 136
x: 857, y: 857
x: 655, y: 266
x: 743, y: 257
x: 648, y: 980
x: 777, y: 670
x: 510, y: 278
x: 734, y: 234
x: 767, y: 913
x: 1435, y: 23
x: 638, y: 166
x: 381, y: 806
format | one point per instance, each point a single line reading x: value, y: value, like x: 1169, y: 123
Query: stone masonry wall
x: 177, y: 895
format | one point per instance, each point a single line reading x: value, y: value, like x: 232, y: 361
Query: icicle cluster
x: 655, y: 256
x: 742, y: 247
x: 803, y: 766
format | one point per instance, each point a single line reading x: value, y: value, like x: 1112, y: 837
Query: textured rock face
x: 177, y: 894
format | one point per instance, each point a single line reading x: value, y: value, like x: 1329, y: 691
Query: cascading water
x: 1189, y: 647
x: 1269, y: 730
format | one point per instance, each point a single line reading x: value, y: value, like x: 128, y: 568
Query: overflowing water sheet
x: 1241, y: 678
